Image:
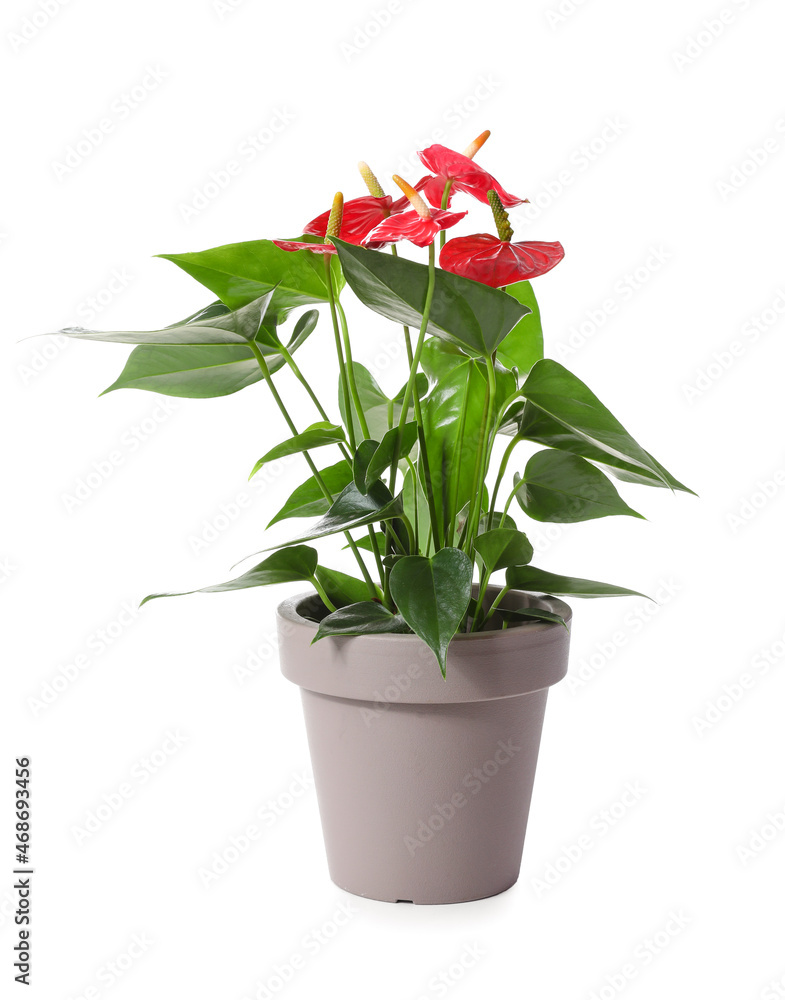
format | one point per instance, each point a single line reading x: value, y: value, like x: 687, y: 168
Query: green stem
x: 262, y: 362
x: 416, y: 484
x: 445, y: 200
x: 499, y: 598
x: 350, y: 368
x: 341, y: 363
x: 502, y: 469
x: 477, y: 477
x: 321, y: 592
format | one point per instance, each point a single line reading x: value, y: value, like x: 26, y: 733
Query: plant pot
x: 424, y: 784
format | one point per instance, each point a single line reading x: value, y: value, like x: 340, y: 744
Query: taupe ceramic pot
x: 424, y: 784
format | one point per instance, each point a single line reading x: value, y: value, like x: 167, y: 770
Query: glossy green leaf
x: 354, y: 510
x: 341, y: 588
x: 535, y: 425
x: 503, y: 547
x: 316, y: 436
x: 529, y: 614
x: 381, y: 460
x: 286, y: 566
x: 206, y: 327
x: 556, y: 392
x: 432, y: 596
x: 365, y: 452
x: 240, y: 272
x: 363, y: 618
x: 199, y: 372
x: 453, y: 432
x: 464, y: 312
x: 522, y: 347
x: 564, y: 488
x: 539, y: 581
x: 308, y: 500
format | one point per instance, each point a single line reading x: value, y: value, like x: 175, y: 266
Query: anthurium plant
x: 411, y: 482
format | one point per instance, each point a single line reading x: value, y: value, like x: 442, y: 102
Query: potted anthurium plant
x: 424, y: 676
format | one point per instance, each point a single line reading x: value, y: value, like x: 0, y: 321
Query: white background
x: 650, y: 145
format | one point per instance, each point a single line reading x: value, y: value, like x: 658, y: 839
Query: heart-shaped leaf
x: 568, y: 402
x: 432, y: 596
x: 503, y: 547
x: 538, y: 581
x: 522, y: 347
x: 316, y: 436
x: 224, y: 328
x: 465, y: 312
x: 365, y: 452
x: 287, y: 566
x: 240, y: 272
x: 363, y: 618
x: 308, y: 500
x: 382, y: 457
x: 564, y: 488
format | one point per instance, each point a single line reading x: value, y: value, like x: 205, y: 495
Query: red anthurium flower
x: 498, y: 262
x: 296, y: 245
x: 332, y: 228
x: 360, y: 216
x: 419, y: 226
x: 460, y: 168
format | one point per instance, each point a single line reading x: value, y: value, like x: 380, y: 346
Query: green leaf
x: 564, y: 488
x: 464, y: 312
x: 365, y: 452
x: 432, y: 596
x: 354, y: 510
x: 522, y: 347
x: 199, y: 372
x: 530, y: 614
x: 534, y: 425
x: 382, y: 457
x: 316, y: 436
x: 453, y: 432
x: 341, y: 588
x: 240, y: 272
x: 583, y: 422
x: 226, y: 328
x: 503, y: 547
x: 363, y: 618
x: 308, y: 500
x: 287, y: 566
x: 539, y: 581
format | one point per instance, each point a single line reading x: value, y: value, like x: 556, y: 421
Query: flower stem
x: 445, y: 202
x: 502, y: 469
x: 261, y: 361
x: 350, y: 370
x: 339, y: 351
